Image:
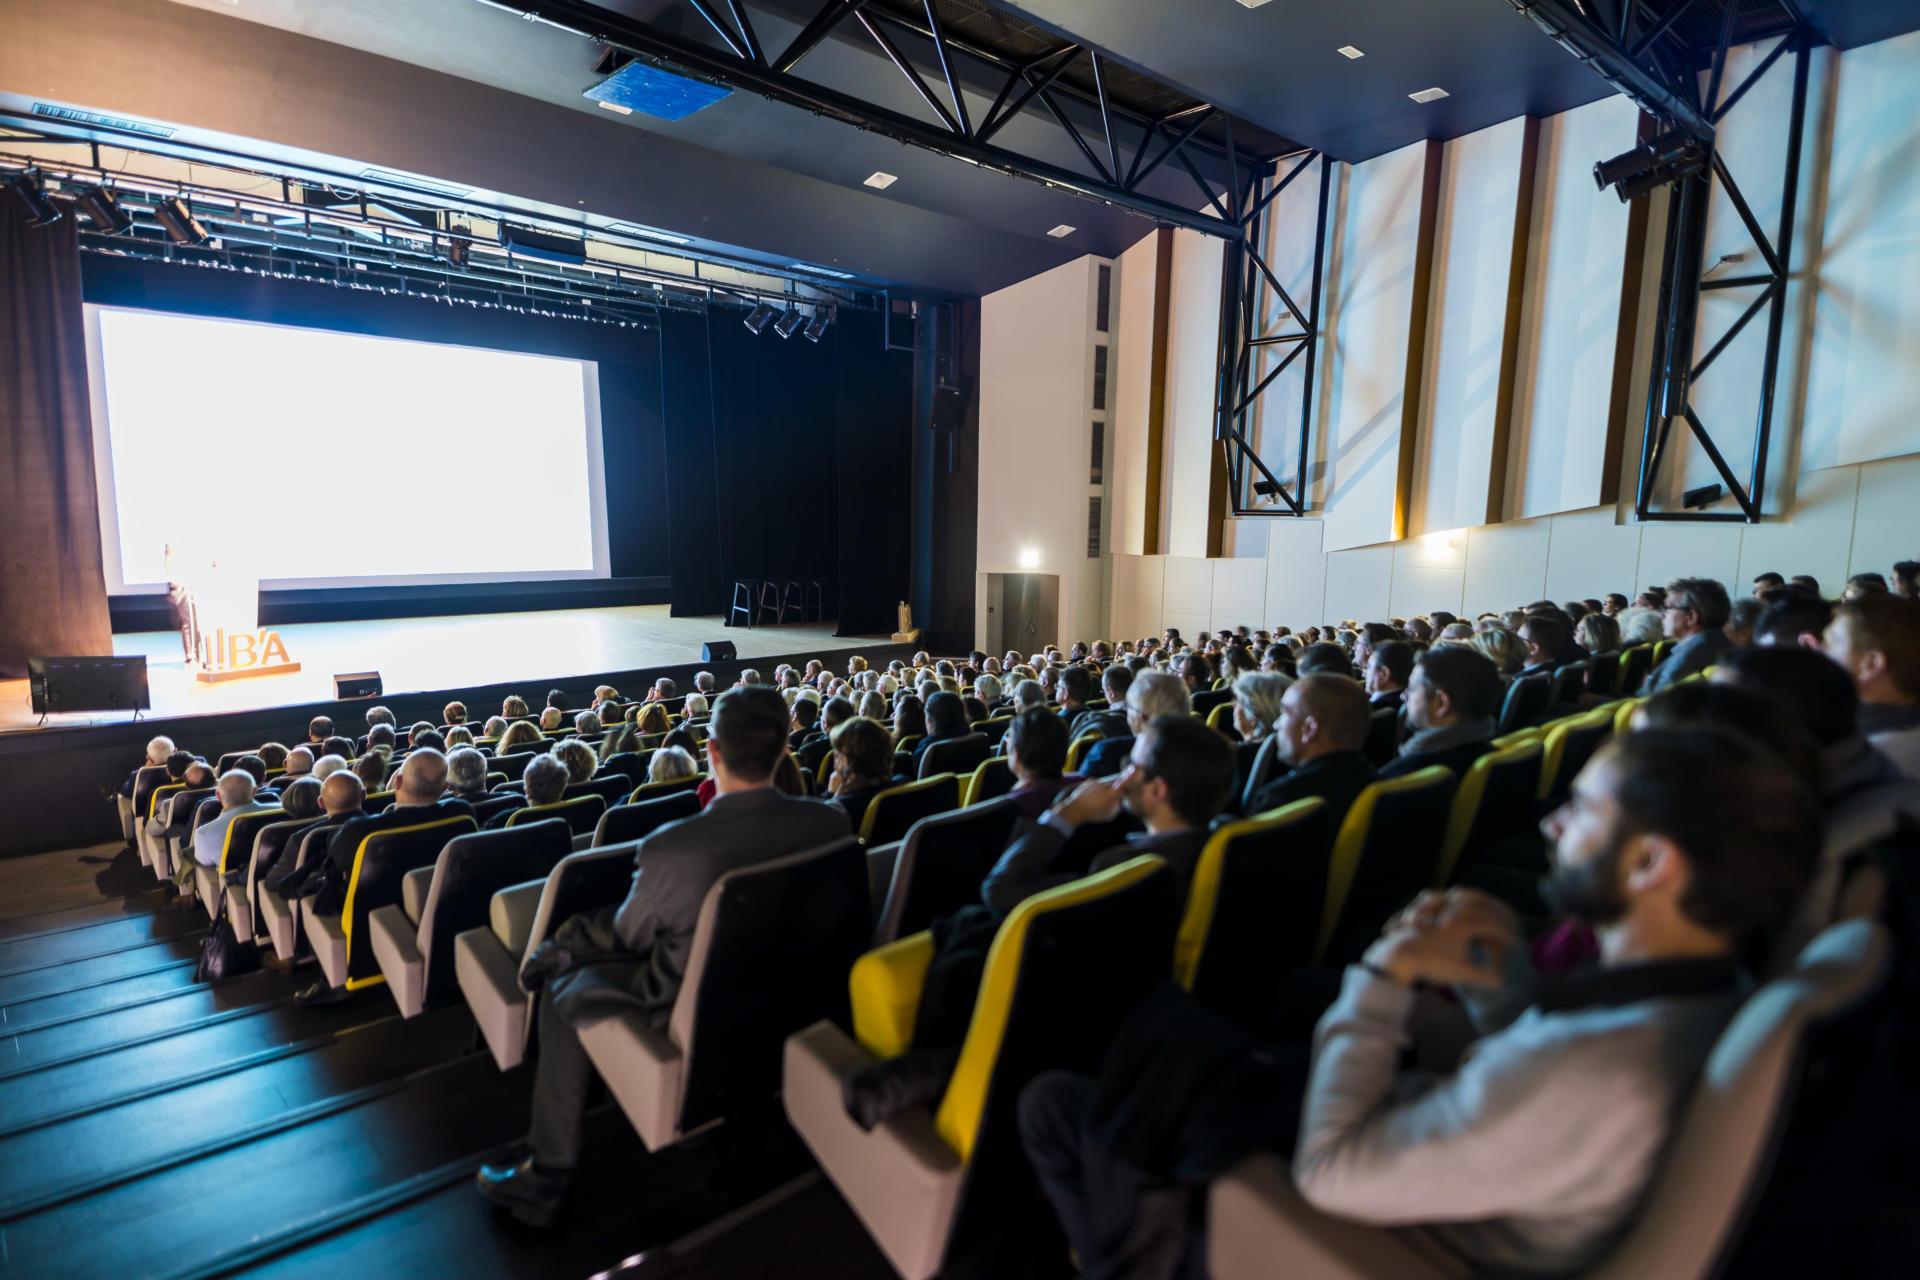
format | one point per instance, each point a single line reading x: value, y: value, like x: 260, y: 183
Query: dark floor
x: 155, y: 1126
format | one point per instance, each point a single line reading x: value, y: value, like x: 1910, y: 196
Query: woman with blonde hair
x: 514, y: 707
x: 1597, y: 633
x: 519, y: 735
x: 1501, y: 645
x: 579, y: 759
x: 652, y: 719
x: 671, y: 763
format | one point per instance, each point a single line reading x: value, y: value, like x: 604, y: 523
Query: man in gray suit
x: 748, y: 822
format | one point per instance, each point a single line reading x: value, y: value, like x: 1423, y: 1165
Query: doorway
x: 1023, y: 611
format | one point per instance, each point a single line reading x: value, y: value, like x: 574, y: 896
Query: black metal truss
x: 1245, y: 279
x: 1128, y: 147
x: 1641, y: 52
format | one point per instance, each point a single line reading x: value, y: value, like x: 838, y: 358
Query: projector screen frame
x: 107, y: 484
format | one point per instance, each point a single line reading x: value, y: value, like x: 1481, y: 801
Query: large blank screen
x: 332, y: 459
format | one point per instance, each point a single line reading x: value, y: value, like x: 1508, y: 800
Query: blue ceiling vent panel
x: 641, y: 86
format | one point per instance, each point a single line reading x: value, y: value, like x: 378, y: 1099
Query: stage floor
x: 415, y: 655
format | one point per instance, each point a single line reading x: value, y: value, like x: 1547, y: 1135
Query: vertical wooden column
x: 1619, y: 397
x: 1510, y: 336
x: 1153, y: 543
x: 1417, y: 327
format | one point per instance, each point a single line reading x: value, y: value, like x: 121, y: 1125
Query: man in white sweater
x: 1531, y: 1150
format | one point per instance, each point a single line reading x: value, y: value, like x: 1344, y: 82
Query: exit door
x: 1023, y: 611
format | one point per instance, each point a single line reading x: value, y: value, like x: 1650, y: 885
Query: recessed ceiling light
x: 880, y: 181
x: 1348, y: 51
x: 1061, y: 231
x: 1429, y: 95
x: 615, y: 107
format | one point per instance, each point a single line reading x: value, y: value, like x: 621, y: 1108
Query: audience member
x: 1876, y: 640
x: 1452, y: 700
x: 1318, y: 734
x: 520, y: 736
x: 319, y: 729
x: 298, y: 763
x: 578, y: 758
x: 236, y: 792
x: 551, y: 719
x: 371, y: 769
x: 1151, y: 695
x: 328, y: 765
x: 1694, y: 617
x: 467, y: 774
x: 1502, y: 648
x: 1742, y: 616
x: 1388, y: 669
x: 453, y: 713
x: 514, y: 707
x: 670, y: 764
x: 1906, y: 579
x: 862, y: 765
x: 1037, y: 743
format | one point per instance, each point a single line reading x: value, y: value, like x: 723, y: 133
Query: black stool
x: 793, y: 600
x: 817, y: 598
x: 742, y: 606
x: 769, y: 602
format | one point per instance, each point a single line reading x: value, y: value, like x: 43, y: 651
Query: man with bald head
x: 1319, y: 734
x: 235, y: 790
x: 419, y: 795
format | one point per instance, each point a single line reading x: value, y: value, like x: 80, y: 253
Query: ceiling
x: 771, y: 183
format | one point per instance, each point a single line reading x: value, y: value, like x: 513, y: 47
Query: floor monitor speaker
x: 357, y: 684
x: 87, y: 684
x: 718, y: 651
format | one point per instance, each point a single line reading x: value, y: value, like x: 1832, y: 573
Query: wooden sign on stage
x: 246, y: 654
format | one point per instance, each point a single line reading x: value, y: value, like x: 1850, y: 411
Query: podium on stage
x: 216, y: 603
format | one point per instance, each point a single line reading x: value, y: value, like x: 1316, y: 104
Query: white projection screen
x: 340, y: 460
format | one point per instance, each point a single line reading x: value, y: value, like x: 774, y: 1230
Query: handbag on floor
x: 222, y: 954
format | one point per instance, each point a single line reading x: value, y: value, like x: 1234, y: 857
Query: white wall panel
x: 1372, y: 309
x: 1359, y: 586
x: 1669, y: 551
x: 1506, y: 563
x: 1575, y: 253
x: 1590, y: 554
x: 1192, y: 340
x: 1239, y: 592
x: 1886, y: 527
x: 1864, y: 379
x: 1296, y: 573
x: 1816, y: 540
x: 1189, y: 585
x: 1132, y: 356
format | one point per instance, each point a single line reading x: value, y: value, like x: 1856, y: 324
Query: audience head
x: 1324, y: 658
x: 1614, y: 604
x: 494, y: 727
x: 1256, y: 703
x: 1794, y: 618
x: 652, y: 718
x: 343, y: 793
x: 1076, y: 687
x: 873, y: 705
x: 429, y: 738
x: 1806, y: 581
x: 605, y: 692
x: 557, y: 699
x: 946, y: 716
x: 1321, y: 715
x: 694, y: 705
x: 586, y: 724
x: 749, y: 737
x: 299, y: 762
x: 1674, y: 838
x: 1817, y: 690
x: 253, y: 765
x: 1768, y: 579
x: 1906, y: 579
x: 1544, y: 637
x: 1037, y: 744
x: 466, y: 772
x: 1390, y: 666
x: 909, y: 716
x: 338, y: 745
x: 545, y: 780
x: 1760, y: 717
x: 1640, y: 625
x: 1597, y: 632
x: 514, y: 707
x: 1876, y: 640
x: 235, y: 788
x: 199, y: 774
x: 453, y: 713
x: 371, y: 769
x: 703, y: 682
x: 1452, y: 685
x: 380, y: 715
x: 863, y: 753
x: 1114, y: 683
x: 382, y: 738
x: 1179, y: 775
x: 671, y: 763
x: 1154, y: 694
x: 551, y: 719
x: 665, y: 688
x: 987, y: 689
x: 1027, y: 695
x: 578, y: 758
x: 1862, y: 585
x: 328, y: 765
x: 319, y: 729
x: 273, y: 755
x: 300, y: 798
x: 683, y: 738
x: 177, y: 763
x: 1196, y: 672
x: 459, y: 736
x: 519, y: 735
x: 422, y: 779
x: 806, y: 714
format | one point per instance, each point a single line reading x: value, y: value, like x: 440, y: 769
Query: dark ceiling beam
x: 645, y: 40
x: 1603, y: 55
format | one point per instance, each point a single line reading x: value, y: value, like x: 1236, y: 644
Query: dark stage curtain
x: 873, y: 438
x: 53, y: 595
x: 693, y: 516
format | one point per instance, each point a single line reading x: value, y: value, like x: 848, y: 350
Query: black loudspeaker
x: 87, y: 684
x: 357, y: 684
x: 718, y: 651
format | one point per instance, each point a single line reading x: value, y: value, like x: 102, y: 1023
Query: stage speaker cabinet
x: 357, y: 684
x: 105, y: 683
x: 718, y: 651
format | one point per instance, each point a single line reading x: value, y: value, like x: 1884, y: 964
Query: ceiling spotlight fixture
x: 817, y: 327
x: 31, y: 193
x: 880, y: 181
x: 788, y: 322
x: 758, y: 318
x: 1665, y: 158
x: 1348, y: 51
x: 457, y: 252
x: 99, y: 206
x: 1429, y: 95
x: 1061, y: 232
x: 182, y: 227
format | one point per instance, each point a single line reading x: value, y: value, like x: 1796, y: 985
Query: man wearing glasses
x: 1693, y: 616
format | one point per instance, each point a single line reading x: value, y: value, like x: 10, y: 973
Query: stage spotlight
x: 1666, y: 158
x: 456, y: 252
x: 31, y: 193
x: 788, y: 323
x: 758, y: 317
x: 182, y: 227
x: 817, y: 327
x: 102, y: 208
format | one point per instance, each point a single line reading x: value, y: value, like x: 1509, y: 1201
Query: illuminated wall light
x: 1029, y: 557
x: 1440, y: 548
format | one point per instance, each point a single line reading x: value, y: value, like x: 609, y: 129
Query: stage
x: 569, y: 648
x: 56, y: 781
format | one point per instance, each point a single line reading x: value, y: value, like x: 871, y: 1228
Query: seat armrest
x: 881, y: 860
x: 413, y: 892
x: 1258, y: 1226
x: 511, y: 914
x: 885, y: 988
x: 644, y: 1070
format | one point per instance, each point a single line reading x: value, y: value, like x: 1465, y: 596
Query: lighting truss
x: 1128, y: 147
x: 1643, y: 50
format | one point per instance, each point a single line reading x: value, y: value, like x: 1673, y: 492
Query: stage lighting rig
x: 817, y: 327
x: 30, y: 192
x: 788, y: 323
x: 758, y: 318
x: 455, y: 252
x: 99, y: 206
x: 181, y: 226
x: 1666, y: 158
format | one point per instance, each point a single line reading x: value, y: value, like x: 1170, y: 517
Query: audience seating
x: 1717, y: 1166
x: 413, y: 939
x: 144, y: 840
x: 1266, y: 767
x: 281, y: 917
x: 1568, y: 681
x: 1569, y: 744
x: 993, y: 779
x: 581, y: 813
x: 378, y: 865
x: 1064, y: 970
x: 941, y: 864
x: 1635, y: 662
x: 893, y: 812
x: 1220, y: 720
x: 1493, y: 804
x: 960, y: 756
x: 1603, y: 675
x: 1079, y: 748
x: 236, y: 851
x: 1387, y: 851
x: 243, y: 900
x: 1383, y: 736
x: 1623, y: 713
x: 665, y: 787
x: 624, y: 822
x: 487, y: 960
x: 610, y: 787
x: 1527, y: 698
x: 377, y: 802
x: 1253, y: 909
x: 513, y: 765
x: 770, y: 955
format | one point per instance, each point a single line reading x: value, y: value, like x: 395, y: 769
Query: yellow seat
x: 1494, y: 801
x: 1078, y: 748
x: 1220, y: 720
x: 992, y: 779
x: 890, y: 813
x: 1568, y: 745
x: 1388, y: 850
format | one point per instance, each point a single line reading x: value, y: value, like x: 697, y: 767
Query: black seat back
x: 1387, y: 851
x: 1603, y: 674
x: 512, y: 765
x: 959, y: 756
x: 1527, y: 697
x: 238, y: 853
x: 942, y: 864
x: 1568, y: 682
x: 582, y: 813
x: 771, y: 953
x: 1635, y: 662
x: 892, y: 813
x: 186, y: 804
x: 149, y: 778
x: 472, y: 869
x: 641, y: 818
x: 1091, y: 839
x: 992, y: 779
x: 1383, y: 736
x: 611, y: 787
x: 631, y: 763
x: 379, y: 864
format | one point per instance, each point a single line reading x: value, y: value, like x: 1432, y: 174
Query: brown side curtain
x: 53, y: 593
